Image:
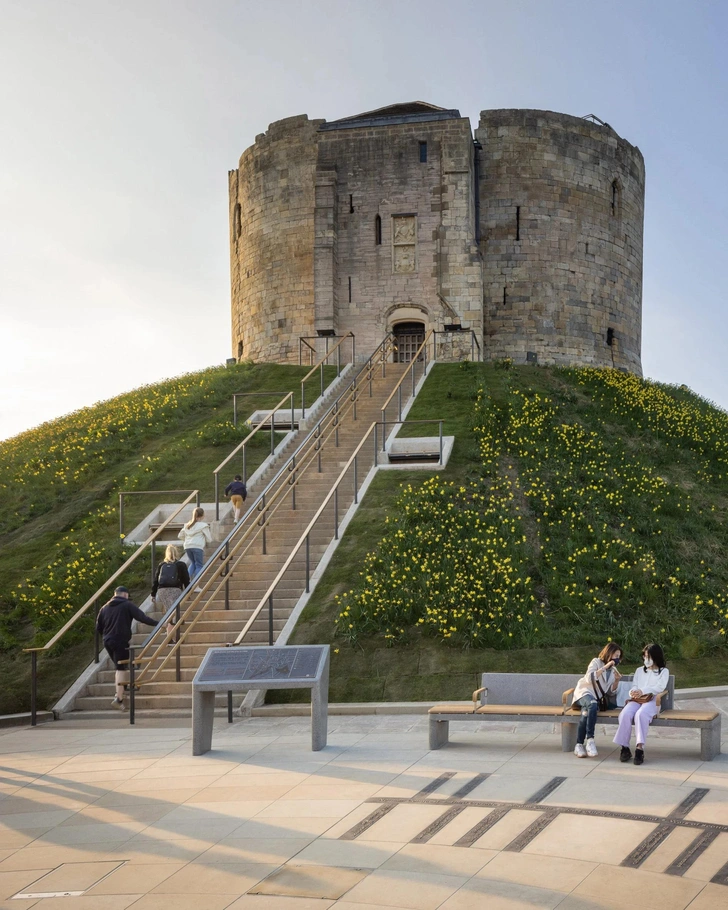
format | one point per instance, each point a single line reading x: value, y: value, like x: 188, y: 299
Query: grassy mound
x: 579, y: 505
x: 59, y: 486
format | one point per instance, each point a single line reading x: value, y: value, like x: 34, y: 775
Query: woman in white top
x: 601, y: 673
x: 194, y: 536
x: 641, y: 707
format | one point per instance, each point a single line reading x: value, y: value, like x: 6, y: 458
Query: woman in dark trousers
x: 601, y: 676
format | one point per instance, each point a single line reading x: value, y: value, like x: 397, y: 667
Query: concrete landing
x: 115, y: 817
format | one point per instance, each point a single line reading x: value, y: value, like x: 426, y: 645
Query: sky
x: 120, y: 121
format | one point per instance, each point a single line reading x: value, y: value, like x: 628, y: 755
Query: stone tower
x: 528, y: 234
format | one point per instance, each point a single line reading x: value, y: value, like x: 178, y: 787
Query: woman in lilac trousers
x: 649, y: 681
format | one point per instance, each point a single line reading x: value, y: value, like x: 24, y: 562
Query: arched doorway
x: 408, y: 336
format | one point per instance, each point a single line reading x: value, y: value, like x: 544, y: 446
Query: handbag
x: 601, y: 695
x: 641, y: 699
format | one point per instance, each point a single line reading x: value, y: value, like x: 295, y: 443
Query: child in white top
x: 194, y: 536
x: 649, y: 681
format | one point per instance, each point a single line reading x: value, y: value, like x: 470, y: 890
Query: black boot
x: 625, y: 754
x: 639, y: 756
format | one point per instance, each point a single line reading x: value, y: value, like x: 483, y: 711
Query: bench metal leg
x: 439, y: 732
x: 710, y: 741
x: 568, y: 737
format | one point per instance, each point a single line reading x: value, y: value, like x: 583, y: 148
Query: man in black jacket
x: 114, y: 626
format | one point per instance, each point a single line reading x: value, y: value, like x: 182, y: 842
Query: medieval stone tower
x: 528, y: 233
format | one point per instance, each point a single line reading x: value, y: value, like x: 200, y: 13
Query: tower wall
x: 272, y: 241
x: 561, y: 213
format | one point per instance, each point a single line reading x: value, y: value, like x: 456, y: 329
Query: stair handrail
x: 320, y: 366
x: 256, y: 529
x: 243, y: 445
x: 268, y: 596
x: 223, y: 551
x: 397, y: 390
x: 149, y: 542
x: 474, y: 343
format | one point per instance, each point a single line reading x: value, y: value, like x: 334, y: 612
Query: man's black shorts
x: 118, y: 650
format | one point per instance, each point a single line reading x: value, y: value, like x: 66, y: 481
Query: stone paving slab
x: 118, y: 817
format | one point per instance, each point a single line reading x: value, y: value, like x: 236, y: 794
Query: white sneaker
x: 198, y: 590
x: 118, y: 704
x: 580, y: 751
x: 591, y: 748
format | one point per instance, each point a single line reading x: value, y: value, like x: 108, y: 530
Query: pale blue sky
x: 120, y: 121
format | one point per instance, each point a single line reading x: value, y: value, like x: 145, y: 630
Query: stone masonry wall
x: 379, y: 173
x: 272, y: 242
x: 562, y: 206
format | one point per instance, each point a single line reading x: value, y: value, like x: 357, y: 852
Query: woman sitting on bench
x: 641, y: 706
x: 601, y: 679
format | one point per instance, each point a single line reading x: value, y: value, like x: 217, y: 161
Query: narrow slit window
x: 610, y: 336
x: 505, y: 296
x: 351, y: 204
x: 615, y: 198
x: 237, y: 221
x: 518, y: 222
x: 423, y: 152
x: 378, y: 231
x: 586, y: 247
x: 349, y: 288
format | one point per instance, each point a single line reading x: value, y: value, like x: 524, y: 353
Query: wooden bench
x: 546, y: 697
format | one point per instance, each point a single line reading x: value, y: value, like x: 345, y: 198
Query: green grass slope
x: 578, y: 505
x: 59, y: 486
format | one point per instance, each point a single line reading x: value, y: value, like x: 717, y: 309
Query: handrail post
x: 272, y: 433
x: 121, y: 516
x: 96, y: 633
x: 384, y: 428
x: 376, y: 447
x: 336, y: 512
x: 303, y: 401
x: 153, y: 549
x: 132, y: 688
x: 270, y: 619
x: 33, y: 687
x: 178, y: 655
x: 217, y: 496
x: 338, y: 361
x: 399, y: 401
x: 227, y: 575
x: 321, y: 371
x: 293, y: 482
x: 245, y: 465
x: 356, y: 490
x: 353, y: 348
x: 300, y: 360
x: 197, y: 498
x: 318, y: 446
x: 413, y: 383
x: 230, y: 706
x: 264, y: 527
x: 292, y: 411
x: 440, y: 442
x: 354, y: 396
x: 308, y: 565
x: 336, y: 425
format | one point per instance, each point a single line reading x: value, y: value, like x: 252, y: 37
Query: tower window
x: 240, y: 349
x: 351, y: 204
x: 518, y: 222
x: 610, y: 336
x: 614, y: 205
x: 423, y: 152
x: 378, y: 231
x: 237, y: 221
x: 349, y: 288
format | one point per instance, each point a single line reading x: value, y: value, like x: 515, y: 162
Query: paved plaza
x: 101, y: 815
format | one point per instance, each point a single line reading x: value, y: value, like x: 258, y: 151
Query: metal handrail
x: 474, y: 343
x: 320, y: 366
x: 123, y: 493
x: 397, y: 390
x: 237, y: 395
x: 303, y: 340
x: 224, y: 553
x: 333, y: 493
x: 243, y: 445
x: 150, y: 541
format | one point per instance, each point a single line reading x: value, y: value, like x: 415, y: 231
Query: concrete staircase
x: 250, y: 580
